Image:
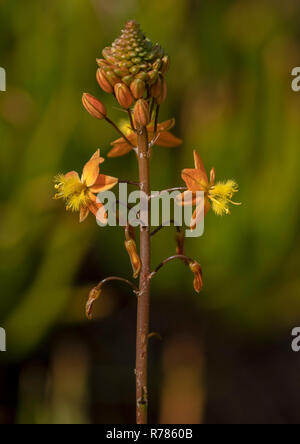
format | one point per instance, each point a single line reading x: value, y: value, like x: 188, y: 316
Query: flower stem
x: 144, y: 288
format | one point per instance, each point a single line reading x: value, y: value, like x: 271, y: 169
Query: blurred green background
x: 225, y: 355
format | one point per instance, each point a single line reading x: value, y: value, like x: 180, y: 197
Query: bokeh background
x: 225, y: 355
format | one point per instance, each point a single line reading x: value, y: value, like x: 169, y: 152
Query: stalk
x: 143, y: 305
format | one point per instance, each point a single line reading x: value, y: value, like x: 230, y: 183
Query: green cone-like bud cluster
x: 134, y: 60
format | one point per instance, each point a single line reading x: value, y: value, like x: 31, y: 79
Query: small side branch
x: 165, y: 224
x: 129, y: 182
x: 119, y: 131
x: 169, y: 190
x: 96, y: 292
x: 156, y: 120
x: 185, y: 259
x: 131, y: 120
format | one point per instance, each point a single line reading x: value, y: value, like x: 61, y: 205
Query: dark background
x: 225, y: 355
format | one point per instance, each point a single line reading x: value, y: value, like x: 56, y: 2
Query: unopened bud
x: 164, y: 91
x: 137, y: 88
x: 141, y: 113
x: 157, y: 88
x: 93, y: 106
x: 134, y: 257
x: 112, y: 78
x: 123, y: 95
x: 152, y: 76
x: 103, y: 81
x: 165, y: 64
x: 93, y: 296
x: 197, y: 270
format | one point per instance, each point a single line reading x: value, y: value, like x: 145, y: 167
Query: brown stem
x: 144, y: 293
x: 156, y: 121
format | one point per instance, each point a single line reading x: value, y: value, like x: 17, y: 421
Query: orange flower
x: 79, y: 193
x: 216, y: 195
x: 164, y: 138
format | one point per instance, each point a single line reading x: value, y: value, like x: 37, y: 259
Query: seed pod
x: 137, y: 88
x: 93, y: 106
x: 141, y: 112
x: 123, y: 95
x: 93, y: 296
x: 135, y: 260
x: 197, y: 270
x: 103, y: 82
x: 164, y: 91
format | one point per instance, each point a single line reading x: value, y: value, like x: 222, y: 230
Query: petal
x: 163, y: 126
x: 131, y: 137
x: 168, y: 140
x: 198, y: 213
x: 194, y: 179
x: 84, y: 212
x: 212, y: 176
x: 119, y: 150
x: 91, y: 170
x: 96, y: 155
x: 167, y: 125
x: 199, y: 165
x: 94, y: 207
x: 72, y: 174
x: 103, y: 183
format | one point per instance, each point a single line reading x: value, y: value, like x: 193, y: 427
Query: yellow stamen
x: 72, y: 190
x: 220, y: 196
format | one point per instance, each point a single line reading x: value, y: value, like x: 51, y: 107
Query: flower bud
x: 93, y: 106
x: 137, y: 88
x: 103, y: 81
x: 197, y: 270
x: 165, y: 64
x: 163, y: 95
x: 102, y: 63
x: 112, y: 78
x: 128, y: 79
x: 157, y: 88
x: 152, y: 76
x: 93, y: 296
x: 135, y: 260
x: 141, y: 112
x: 123, y: 95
